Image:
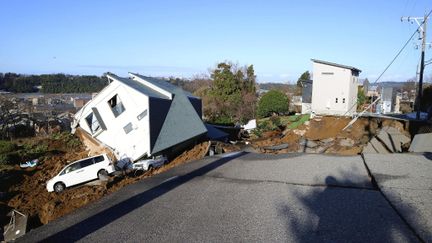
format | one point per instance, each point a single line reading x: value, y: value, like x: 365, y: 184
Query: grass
x: 276, y: 122
x: 291, y: 122
x: 299, y: 121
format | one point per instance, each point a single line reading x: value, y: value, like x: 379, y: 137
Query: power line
x: 423, y: 28
x: 388, y: 66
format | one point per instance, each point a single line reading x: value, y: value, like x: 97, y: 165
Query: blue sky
x: 184, y: 38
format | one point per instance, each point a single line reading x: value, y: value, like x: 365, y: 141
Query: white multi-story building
x: 334, y: 90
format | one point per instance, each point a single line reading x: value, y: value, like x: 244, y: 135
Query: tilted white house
x: 334, y: 90
x: 142, y: 116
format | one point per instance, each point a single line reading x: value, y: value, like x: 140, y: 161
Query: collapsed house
x: 142, y: 116
x: 334, y: 89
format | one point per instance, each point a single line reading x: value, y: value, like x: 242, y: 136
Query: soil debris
x: 325, y: 135
x: 27, y: 188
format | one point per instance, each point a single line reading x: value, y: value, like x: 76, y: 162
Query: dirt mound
x: 331, y: 127
x: 31, y: 194
x: 197, y: 152
x: 326, y: 132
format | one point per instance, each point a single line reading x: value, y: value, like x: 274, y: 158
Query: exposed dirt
x: 28, y: 193
x: 331, y: 127
x: 326, y: 134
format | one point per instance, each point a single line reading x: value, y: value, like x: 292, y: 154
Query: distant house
x: 142, y: 116
x: 388, y: 100
x: 306, y: 96
x: 372, y: 91
x: 334, y: 90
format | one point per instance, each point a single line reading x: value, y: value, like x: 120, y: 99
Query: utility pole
x: 421, y: 22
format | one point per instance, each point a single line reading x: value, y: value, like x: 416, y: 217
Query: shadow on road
x: 428, y: 155
x: 103, y: 218
x: 335, y: 214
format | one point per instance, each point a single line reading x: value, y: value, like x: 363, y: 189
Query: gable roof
x: 165, y: 85
x: 336, y: 65
x: 181, y: 123
x: 138, y: 86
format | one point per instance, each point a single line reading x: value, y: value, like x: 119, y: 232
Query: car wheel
x: 59, y: 187
x: 150, y: 167
x: 102, y: 175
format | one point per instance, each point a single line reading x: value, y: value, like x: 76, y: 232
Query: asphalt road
x: 241, y: 197
x: 406, y: 181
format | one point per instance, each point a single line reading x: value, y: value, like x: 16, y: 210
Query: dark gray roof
x: 181, y: 123
x: 173, y: 89
x: 336, y: 65
x: 139, y: 87
x: 215, y: 134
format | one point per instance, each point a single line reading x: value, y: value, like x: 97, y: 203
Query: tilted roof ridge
x: 336, y: 64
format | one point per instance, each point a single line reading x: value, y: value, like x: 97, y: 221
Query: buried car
x: 81, y: 171
x: 148, y: 164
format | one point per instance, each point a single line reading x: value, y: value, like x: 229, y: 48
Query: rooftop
x: 336, y: 65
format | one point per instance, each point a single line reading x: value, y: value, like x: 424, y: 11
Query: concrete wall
x: 334, y: 90
x: 133, y: 144
x: 306, y: 108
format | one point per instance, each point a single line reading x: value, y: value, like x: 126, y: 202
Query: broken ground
x: 25, y: 188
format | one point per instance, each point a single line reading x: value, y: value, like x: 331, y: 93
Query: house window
x: 327, y: 73
x: 336, y: 100
x: 142, y: 115
x: 93, y: 123
x: 128, y: 128
x: 343, y: 100
x: 116, y: 105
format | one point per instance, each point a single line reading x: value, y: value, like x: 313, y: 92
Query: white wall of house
x: 135, y: 141
x: 334, y: 90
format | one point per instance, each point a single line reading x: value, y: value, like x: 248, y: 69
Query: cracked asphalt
x: 255, y: 198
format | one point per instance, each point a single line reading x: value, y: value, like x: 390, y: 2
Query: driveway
x: 242, y: 197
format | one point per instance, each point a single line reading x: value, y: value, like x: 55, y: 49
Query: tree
x: 361, y: 98
x: 273, y: 102
x: 304, y: 76
x: 231, y: 96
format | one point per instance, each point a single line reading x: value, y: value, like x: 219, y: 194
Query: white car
x: 148, y: 164
x: 81, y: 171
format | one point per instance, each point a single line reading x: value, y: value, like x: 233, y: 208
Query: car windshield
x: 70, y: 168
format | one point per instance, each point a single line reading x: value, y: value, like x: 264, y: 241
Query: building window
x: 128, y: 128
x: 343, y: 100
x: 142, y: 115
x: 327, y: 73
x: 93, y: 123
x: 116, y: 105
x: 336, y: 100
